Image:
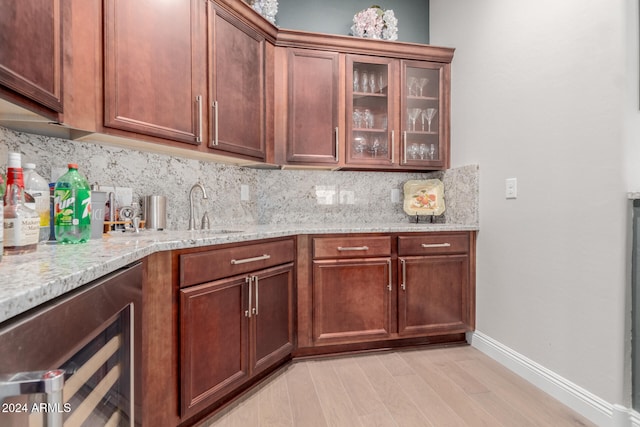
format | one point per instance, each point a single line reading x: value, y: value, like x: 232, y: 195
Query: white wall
x: 539, y: 94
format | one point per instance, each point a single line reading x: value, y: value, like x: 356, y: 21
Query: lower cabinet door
x: 272, y: 317
x: 433, y: 295
x: 351, y: 300
x: 213, y: 341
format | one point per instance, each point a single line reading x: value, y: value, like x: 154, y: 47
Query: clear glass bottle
x: 38, y: 188
x: 21, y: 223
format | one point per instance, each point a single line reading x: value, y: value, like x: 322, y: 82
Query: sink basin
x: 218, y: 231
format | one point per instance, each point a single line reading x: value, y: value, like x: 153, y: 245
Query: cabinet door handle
x: 246, y: 260
x: 247, y: 313
x: 404, y: 148
x: 403, y: 263
x: 255, y: 305
x: 199, y: 105
x: 436, y: 245
x: 353, y: 248
x: 390, y: 286
x: 337, y: 145
x: 393, y: 146
x: 214, y: 140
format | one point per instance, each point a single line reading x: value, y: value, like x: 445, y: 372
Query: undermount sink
x: 218, y: 231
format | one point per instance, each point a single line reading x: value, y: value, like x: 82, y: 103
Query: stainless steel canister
x: 98, y: 200
x: 155, y: 212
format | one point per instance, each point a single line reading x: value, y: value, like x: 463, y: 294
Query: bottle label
x: 21, y: 231
x: 72, y: 207
x: 41, y: 206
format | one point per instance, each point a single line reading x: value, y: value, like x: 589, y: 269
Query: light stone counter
x: 26, y: 281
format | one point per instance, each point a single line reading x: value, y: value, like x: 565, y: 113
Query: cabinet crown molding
x: 348, y: 44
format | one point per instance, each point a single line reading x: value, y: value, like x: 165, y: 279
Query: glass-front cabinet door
x: 370, y: 120
x: 423, y: 123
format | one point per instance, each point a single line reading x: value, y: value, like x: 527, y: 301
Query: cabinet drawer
x: 433, y: 244
x: 350, y: 247
x: 216, y: 264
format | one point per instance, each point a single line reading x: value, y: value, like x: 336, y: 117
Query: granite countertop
x: 33, y: 279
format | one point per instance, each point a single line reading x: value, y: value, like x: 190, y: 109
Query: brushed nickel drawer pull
x: 403, y: 262
x: 353, y: 248
x: 337, y: 145
x: 246, y: 260
x: 247, y: 312
x: 255, y: 306
x: 390, y: 285
x: 393, y: 146
x: 436, y: 245
x: 199, y: 106
x: 403, y: 160
x: 214, y: 140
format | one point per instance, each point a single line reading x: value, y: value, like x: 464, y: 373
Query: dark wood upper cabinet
x: 325, y: 76
x: 312, y: 107
x: 31, y: 50
x: 154, y: 71
x: 237, y: 85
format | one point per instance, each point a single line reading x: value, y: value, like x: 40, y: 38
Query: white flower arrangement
x: 375, y: 23
x: 267, y: 8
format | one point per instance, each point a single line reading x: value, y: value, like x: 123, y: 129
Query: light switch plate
x: 511, y: 188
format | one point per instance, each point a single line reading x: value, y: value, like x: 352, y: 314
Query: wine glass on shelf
x: 368, y: 119
x: 413, y: 151
x: 423, y: 151
x: 432, y: 151
x: 380, y: 82
x: 359, y: 144
x: 364, y: 81
x: 375, y: 147
x: 357, y: 118
x: 421, y: 83
x: 356, y: 80
x: 413, y: 116
x: 411, y: 84
x: 429, y: 115
x: 372, y: 82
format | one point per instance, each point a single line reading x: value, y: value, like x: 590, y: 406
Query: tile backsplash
x: 275, y: 196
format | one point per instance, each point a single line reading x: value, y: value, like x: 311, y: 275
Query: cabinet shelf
x: 419, y: 132
x: 423, y: 98
x: 371, y: 130
x: 368, y: 95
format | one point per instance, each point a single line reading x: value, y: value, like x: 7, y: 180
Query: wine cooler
x: 73, y: 362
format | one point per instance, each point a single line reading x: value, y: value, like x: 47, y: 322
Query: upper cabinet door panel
x: 238, y: 86
x: 425, y: 115
x: 313, y: 106
x: 31, y: 50
x: 152, y: 68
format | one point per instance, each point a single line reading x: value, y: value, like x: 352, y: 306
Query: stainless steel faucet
x: 192, y: 221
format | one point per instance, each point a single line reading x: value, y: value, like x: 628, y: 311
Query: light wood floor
x: 455, y: 386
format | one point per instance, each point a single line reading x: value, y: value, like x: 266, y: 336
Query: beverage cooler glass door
x: 71, y: 362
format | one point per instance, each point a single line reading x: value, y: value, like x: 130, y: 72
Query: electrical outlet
x: 395, y: 195
x: 244, y: 192
x: 511, y: 188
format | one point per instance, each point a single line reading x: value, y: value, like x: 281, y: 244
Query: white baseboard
x: 587, y: 404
